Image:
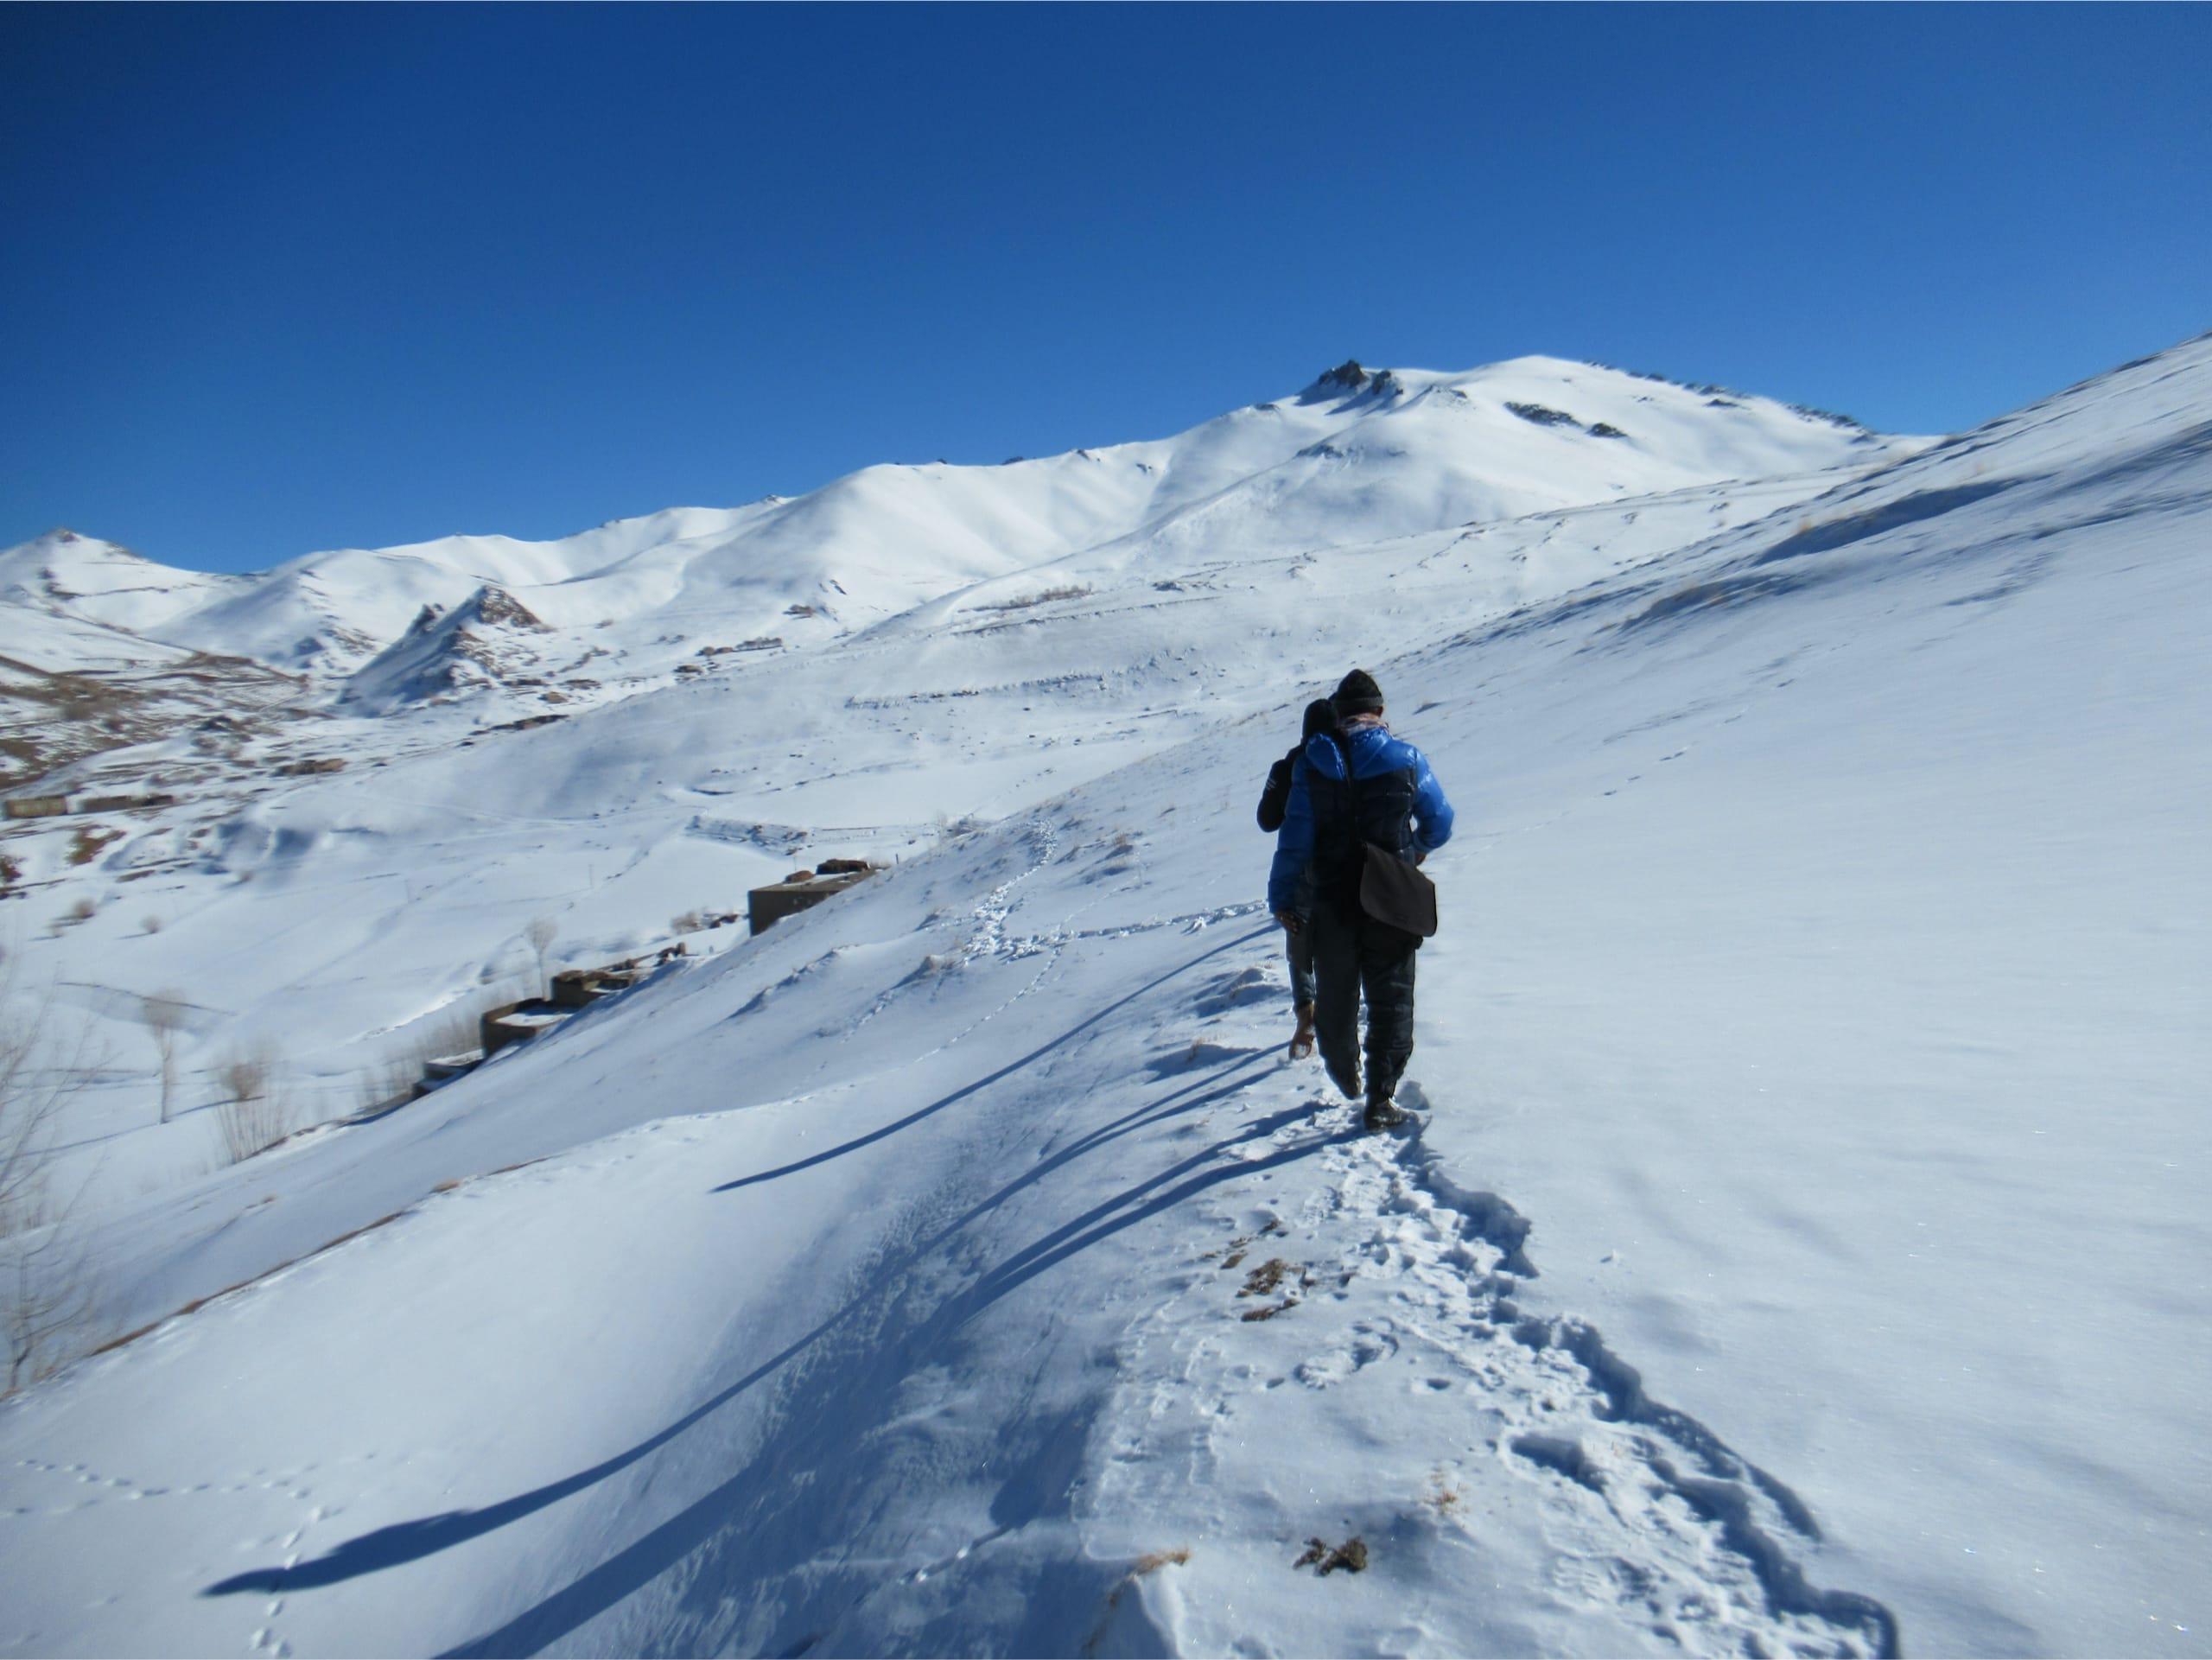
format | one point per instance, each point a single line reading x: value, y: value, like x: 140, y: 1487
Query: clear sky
x: 283, y: 278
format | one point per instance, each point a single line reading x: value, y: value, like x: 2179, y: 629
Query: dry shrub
x: 1070, y: 591
x: 453, y: 1031
x: 256, y: 1116
x: 541, y: 934
x: 47, y: 1304
x: 163, y: 1015
x: 389, y: 1081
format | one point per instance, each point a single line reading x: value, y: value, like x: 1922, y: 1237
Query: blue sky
x: 285, y: 278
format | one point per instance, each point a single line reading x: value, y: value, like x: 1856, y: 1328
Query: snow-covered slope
x: 908, y: 646
x: 1800, y: 1253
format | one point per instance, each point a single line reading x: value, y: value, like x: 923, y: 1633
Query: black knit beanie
x: 1320, y: 716
x: 1357, y: 694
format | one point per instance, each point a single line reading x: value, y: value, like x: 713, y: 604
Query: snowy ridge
x: 959, y: 1266
x: 1390, y: 455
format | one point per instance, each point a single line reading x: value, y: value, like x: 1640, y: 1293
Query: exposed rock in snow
x: 483, y: 642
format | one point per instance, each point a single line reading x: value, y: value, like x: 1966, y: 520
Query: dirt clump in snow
x: 1326, y: 1559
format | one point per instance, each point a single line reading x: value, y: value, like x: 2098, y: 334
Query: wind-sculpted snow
x: 959, y: 1267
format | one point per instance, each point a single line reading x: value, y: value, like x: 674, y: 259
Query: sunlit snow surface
x: 1802, y: 1249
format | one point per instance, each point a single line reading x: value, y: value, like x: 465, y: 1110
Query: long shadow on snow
x: 696, y: 1526
x: 1007, y: 1070
x: 407, y: 1541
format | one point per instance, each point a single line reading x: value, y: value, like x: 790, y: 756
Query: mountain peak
x: 473, y: 647
x: 1351, y: 379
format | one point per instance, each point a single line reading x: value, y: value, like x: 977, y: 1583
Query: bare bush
x: 451, y: 1034
x: 458, y: 1028
x: 152, y: 925
x: 46, y: 1301
x: 245, y: 1077
x: 163, y: 1015
x: 689, y: 922
x: 1070, y: 591
x: 391, y: 1081
x: 254, y: 1116
x: 82, y: 910
x: 541, y: 934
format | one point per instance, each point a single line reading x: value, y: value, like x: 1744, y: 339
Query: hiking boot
x: 1301, y: 1040
x: 1383, y: 1113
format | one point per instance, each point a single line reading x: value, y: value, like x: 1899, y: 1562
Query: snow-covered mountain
x: 636, y: 605
x: 1799, y: 1253
x: 1354, y: 457
x: 81, y: 578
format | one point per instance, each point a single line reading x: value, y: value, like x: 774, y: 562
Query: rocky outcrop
x: 485, y: 642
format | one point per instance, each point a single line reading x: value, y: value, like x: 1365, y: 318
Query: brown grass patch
x: 84, y: 846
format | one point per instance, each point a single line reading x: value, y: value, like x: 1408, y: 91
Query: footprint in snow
x: 1333, y: 1366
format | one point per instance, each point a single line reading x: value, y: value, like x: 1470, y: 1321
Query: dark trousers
x: 1298, y: 951
x: 1352, y: 957
x: 1298, y: 947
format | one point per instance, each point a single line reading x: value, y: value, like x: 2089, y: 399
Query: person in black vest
x: 1350, y: 787
x: 1298, y: 942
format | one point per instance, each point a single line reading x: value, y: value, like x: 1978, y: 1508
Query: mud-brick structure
x: 580, y: 988
x: 52, y: 806
x: 516, y: 1023
x: 765, y: 906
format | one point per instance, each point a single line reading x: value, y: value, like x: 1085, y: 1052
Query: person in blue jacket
x: 1298, y: 942
x: 1390, y: 797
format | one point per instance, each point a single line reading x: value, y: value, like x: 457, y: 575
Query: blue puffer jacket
x: 1401, y: 808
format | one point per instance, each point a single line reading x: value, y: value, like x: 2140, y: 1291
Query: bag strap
x: 1351, y: 781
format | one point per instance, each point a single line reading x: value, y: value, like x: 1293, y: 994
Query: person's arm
x: 1276, y: 797
x: 1294, y: 845
x: 1431, y: 812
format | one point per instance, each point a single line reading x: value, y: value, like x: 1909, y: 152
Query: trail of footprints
x: 1647, y: 1511
x: 98, y: 1487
